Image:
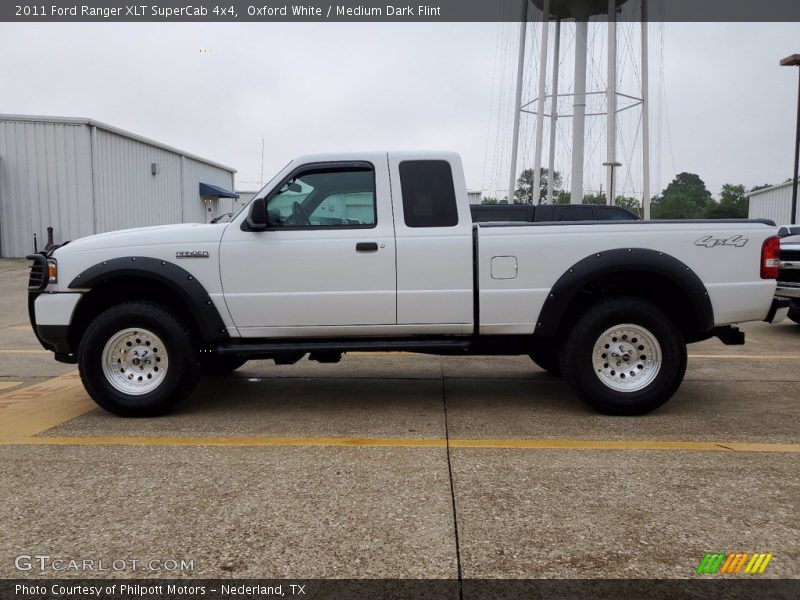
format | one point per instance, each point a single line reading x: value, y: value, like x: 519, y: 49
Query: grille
x: 39, y: 273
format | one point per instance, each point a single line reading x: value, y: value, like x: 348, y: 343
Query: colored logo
x: 739, y: 562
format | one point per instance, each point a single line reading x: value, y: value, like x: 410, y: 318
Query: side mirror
x: 257, y: 219
x: 787, y: 231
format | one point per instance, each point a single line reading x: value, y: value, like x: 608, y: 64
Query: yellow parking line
x: 26, y: 327
x: 703, y: 446
x: 29, y: 411
x: 21, y: 351
x: 4, y: 385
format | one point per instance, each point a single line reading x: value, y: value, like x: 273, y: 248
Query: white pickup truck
x: 376, y: 252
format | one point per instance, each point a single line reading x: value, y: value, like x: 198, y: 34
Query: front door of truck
x: 327, y: 261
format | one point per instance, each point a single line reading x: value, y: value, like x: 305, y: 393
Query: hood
x: 138, y: 240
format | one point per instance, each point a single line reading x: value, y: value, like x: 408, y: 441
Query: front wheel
x: 794, y: 314
x: 624, y: 357
x: 138, y: 359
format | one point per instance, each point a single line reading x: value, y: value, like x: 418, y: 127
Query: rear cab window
x: 429, y: 198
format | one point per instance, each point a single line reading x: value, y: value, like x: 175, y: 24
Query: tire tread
x: 159, y: 401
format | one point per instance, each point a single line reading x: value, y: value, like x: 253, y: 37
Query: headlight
x: 52, y: 270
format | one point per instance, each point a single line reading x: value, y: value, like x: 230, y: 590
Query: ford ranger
x: 378, y: 252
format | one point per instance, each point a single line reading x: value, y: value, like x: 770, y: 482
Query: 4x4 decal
x: 711, y: 242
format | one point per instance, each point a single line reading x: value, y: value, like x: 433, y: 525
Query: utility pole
x: 611, y: 166
x: 794, y: 61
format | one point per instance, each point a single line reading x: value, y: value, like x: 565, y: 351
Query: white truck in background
x: 377, y: 251
x: 789, y: 273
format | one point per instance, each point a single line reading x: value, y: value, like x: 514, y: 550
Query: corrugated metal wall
x: 774, y: 203
x: 127, y: 194
x: 82, y: 179
x: 45, y: 180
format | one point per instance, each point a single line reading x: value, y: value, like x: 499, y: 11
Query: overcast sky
x: 337, y: 87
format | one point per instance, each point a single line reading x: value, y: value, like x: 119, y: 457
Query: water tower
x: 552, y: 105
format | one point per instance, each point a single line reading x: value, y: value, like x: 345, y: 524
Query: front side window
x: 325, y: 197
x: 429, y: 199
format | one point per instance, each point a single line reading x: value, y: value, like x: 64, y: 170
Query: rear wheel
x: 794, y: 314
x: 624, y: 357
x: 138, y: 359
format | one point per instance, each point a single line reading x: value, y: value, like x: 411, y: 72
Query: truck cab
x: 338, y: 256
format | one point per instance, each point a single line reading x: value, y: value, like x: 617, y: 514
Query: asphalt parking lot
x: 403, y: 466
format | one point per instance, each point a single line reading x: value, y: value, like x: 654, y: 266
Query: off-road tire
x: 179, y: 378
x: 794, y: 315
x: 583, y: 351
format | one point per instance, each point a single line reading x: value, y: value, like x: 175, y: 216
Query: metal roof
x: 111, y: 129
x: 770, y: 188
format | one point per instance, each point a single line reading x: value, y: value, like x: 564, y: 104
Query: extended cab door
x: 327, y: 260
x: 433, y: 229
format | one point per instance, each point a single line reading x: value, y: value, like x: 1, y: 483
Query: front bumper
x: 50, y: 315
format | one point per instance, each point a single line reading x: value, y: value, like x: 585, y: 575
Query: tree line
x: 686, y: 197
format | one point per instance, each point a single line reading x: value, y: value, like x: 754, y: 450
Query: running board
x: 268, y: 349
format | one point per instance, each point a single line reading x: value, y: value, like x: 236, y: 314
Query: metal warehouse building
x: 81, y: 177
x: 774, y: 203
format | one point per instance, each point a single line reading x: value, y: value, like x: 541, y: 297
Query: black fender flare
x: 617, y: 261
x: 203, y: 311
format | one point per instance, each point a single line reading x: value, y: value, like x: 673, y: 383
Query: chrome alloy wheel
x: 627, y: 357
x: 135, y: 361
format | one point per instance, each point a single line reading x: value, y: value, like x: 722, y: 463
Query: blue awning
x: 206, y: 190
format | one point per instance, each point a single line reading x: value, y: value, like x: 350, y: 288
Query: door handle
x: 367, y: 247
